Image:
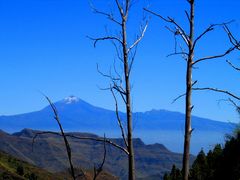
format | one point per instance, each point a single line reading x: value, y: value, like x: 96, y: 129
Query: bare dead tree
x: 68, y: 148
x: 118, y: 85
x: 97, y: 170
x: 190, y: 42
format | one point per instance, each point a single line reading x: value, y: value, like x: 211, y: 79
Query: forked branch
x: 232, y: 39
x: 179, y: 30
x: 119, y: 119
x: 210, y: 28
x: 68, y: 148
x: 108, y: 15
x: 120, y: 9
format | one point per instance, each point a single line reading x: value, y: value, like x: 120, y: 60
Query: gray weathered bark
x: 126, y: 54
x: 131, y: 161
x: 190, y: 42
x: 188, y: 101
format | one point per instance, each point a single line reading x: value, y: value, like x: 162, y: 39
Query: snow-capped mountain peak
x: 71, y: 99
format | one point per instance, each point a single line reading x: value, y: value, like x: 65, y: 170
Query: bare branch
x: 179, y: 30
x: 235, y: 105
x: 177, y: 98
x: 83, y: 138
x: 104, y: 38
x: 184, y: 55
x: 218, y: 90
x: 115, y: 86
x: 119, y: 119
x: 192, y: 107
x: 116, y: 72
x: 195, y: 82
x: 214, y: 57
x: 175, y: 38
x: 107, y: 76
x: 171, y: 30
x: 103, y: 89
x: 108, y: 15
x: 132, y: 59
x: 188, y: 17
x: 117, y: 51
x: 233, y: 66
x: 139, y: 38
x: 119, y: 89
x: 158, y: 15
x: 98, y: 170
x: 191, y: 130
x: 177, y: 53
x: 182, y: 95
x: 232, y: 39
x: 210, y: 28
x: 120, y: 8
x: 68, y: 148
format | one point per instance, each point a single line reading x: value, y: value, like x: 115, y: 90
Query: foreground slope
x: 12, y: 168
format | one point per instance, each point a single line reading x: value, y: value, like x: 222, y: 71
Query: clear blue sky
x: 43, y: 47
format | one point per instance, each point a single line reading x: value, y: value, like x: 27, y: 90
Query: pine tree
x: 199, y: 169
x: 219, y: 163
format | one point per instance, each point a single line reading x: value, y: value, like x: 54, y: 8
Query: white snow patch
x: 71, y: 99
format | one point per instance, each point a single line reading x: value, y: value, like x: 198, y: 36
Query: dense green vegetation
x: 219, y: 163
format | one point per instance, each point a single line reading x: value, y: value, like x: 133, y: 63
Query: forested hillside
x: 221, y: 163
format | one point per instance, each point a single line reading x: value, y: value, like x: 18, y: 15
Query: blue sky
x: 43, y: 47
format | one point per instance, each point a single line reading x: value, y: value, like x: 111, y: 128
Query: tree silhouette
x: 120, y: 84
x: 190, y: 42
x: 219, y: 163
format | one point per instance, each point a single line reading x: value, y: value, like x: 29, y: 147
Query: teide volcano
x: 160, y: 126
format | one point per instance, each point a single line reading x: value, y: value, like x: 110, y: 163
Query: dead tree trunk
x: 188, y: 101
x: 126, y: 54
x: 190, y: 43
x: 131, y: 162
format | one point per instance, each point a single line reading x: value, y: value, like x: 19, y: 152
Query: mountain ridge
x: 162, y: 126
x: 80, y: 101
x: 49, y: 153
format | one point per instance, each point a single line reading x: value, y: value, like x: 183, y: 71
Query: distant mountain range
x: 160, y: 126
x: 49, y: 152
x: 15, y: 168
